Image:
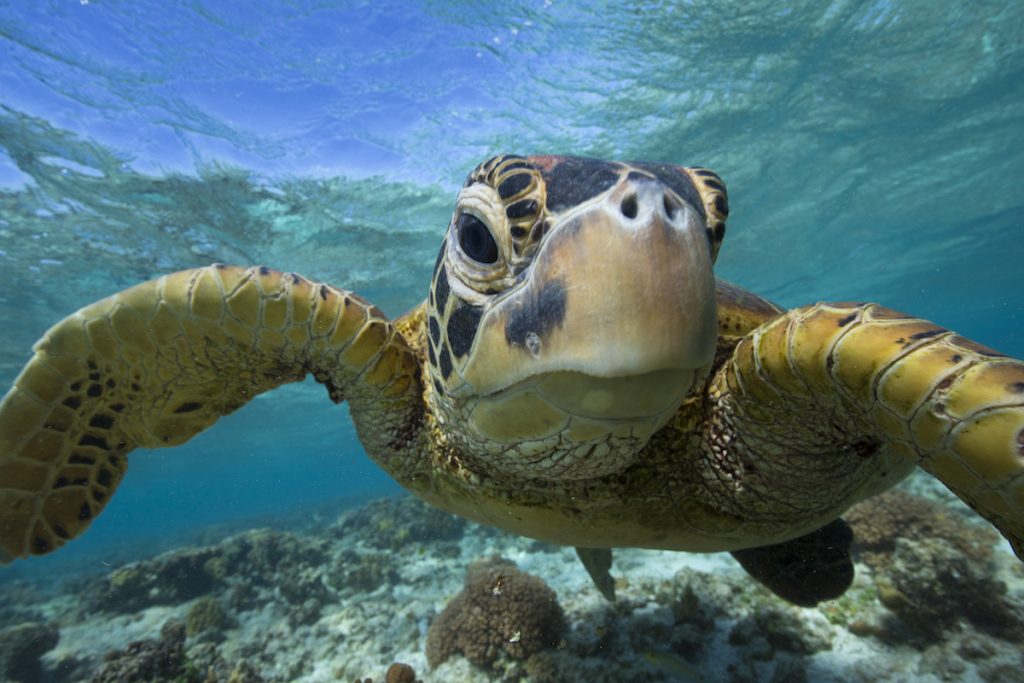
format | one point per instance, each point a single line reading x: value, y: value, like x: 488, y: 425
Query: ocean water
x: 872, y: 150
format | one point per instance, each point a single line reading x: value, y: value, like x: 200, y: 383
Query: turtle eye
x: 476, y: 240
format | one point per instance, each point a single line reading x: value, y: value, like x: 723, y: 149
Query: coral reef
x: 776, y: 628
x: 880, y: 521
x: 150, y: 661
x: 206, y: 659
x: 264, y: 554
x: 168, y: 579
x: 280, y: 606
x: 932, y: 570
x: 206, y: 614
x: 656, y: 631
x: 18, y: 603
x: 500, y: 610
x: 400, y: 673
x: 361, y: 572
x: 396, y: 673
x: 249, y: 565
x: 395, y: 524
x: 21, y: 647
x: 282, y: 565
x: 932, y: 587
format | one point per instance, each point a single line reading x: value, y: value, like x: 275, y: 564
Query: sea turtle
x: 576, y: 375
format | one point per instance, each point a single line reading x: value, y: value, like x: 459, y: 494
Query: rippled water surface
x: 873, y: 150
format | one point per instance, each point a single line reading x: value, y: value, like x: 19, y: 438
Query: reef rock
x: 397, y: 524
x: 168, y: 579
x: 150, y: 661
x: 21, y: 647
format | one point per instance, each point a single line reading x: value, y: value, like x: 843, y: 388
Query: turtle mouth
x: 614, y: 399
x: 566, y: 425
x: 573, y: 416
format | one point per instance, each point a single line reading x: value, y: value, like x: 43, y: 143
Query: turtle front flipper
x: 158, y: 363
x: 880, y: 388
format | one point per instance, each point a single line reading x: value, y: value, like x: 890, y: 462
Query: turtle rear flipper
x: 598, y: 563
x: 158, y: 363
x: 806, y: 570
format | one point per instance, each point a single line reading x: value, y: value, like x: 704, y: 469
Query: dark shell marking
x: 571, y: 181
x: 462, y: 327
x: 539, y: 315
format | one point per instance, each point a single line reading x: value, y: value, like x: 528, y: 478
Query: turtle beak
x: 622, y: 295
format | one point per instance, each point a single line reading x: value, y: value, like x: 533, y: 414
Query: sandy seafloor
x: 341, y: 595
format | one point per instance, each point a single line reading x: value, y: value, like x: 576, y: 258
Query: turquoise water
x: 873, y: 151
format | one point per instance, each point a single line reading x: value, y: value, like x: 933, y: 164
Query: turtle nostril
x: 671, y: 207
x: 629, y: 207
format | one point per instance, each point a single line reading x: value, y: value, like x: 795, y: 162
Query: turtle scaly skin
x: 158, y: 363
x: 874, y: 377
x: 576, y: 375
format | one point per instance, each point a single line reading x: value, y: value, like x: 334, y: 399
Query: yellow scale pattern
x: 945, y: 403
x: 156, y: 364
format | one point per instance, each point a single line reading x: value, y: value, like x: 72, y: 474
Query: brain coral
x: 500, y: 609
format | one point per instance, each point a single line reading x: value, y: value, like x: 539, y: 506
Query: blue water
x: 873, y: 150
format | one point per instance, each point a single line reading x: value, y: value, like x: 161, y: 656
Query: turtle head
x: 571, y: 310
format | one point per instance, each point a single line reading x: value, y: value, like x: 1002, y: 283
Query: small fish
x: 673, y: 665
x: 498, y: 583
x: 516, y: 637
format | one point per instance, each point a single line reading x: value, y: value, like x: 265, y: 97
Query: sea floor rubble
x: 936, y: 598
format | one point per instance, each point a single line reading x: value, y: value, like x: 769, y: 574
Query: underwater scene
x: 424, y: 458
